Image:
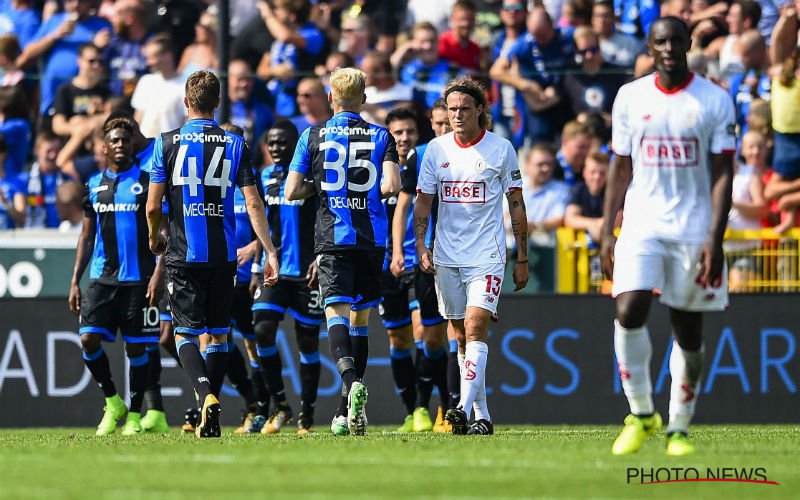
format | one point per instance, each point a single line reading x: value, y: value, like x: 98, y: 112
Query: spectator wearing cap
x: 383, y: 91
x: 595, y: 87
x: 18, y: 17
x: 455, y: 45
x: 508, y: 110
x: 420, y: 66
x: 57, y: 41
x: 299, y: 46
x: 619, y: 49
x: 534, y: 66
x: 82, y: 96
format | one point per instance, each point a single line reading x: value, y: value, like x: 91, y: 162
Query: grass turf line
x: 518, y: 462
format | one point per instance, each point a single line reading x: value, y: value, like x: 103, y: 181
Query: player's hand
x: 425, y: 259
x: 312, y: 276
x: 255, y: 281
x: 75, y: 298
x: 246, y: 253
x: 520, y: 275
x: 155, y: 290
x: 710, y: 266
x: 271, y: 269
x: 607, y: 244
x: 158, y: 245
x: 398, y: 264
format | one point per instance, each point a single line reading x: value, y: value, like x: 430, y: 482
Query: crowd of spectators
x: 552, y: 69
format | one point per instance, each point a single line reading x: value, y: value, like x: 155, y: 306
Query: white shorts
x: 460, y: 287
x: 669, y: 267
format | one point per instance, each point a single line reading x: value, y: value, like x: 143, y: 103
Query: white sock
x: 472, y: 377
x: 685, y: 367
x: 634, y: 350
x: 479, y: 406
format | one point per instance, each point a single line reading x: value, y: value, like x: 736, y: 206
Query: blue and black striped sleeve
x: 301, y: 162
x: 244, y: 175
x: 88, y: 209
x: 390, y: 154
x: 157, y: 173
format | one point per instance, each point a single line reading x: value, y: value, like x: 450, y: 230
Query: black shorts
x: 425, y: 285
x: 201, y: 299
x: 351, y: 276
x: 108, y: 308
x: 292, y: 296
x: 399, y: 299
x: 164, y: 310
x: 242, y: 311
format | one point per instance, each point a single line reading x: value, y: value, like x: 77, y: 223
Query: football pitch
x: 517, y: 462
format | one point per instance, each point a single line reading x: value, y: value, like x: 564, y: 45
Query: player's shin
x: 138, y: 380
x: 633, y: 350
x: 475, y: 357
x: 359, y: 341
x: 217, y: 364
x: 686, y: 368
x: 426, y: 374
x: 404, y: 376
x: 453, y: 374
x: 97, y: 363
x: 152, y: 392
x: 341, y: 349
x: 194, y: 365
x: 237, y: 374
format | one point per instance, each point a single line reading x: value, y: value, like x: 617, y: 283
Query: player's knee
x: 134, y: 350
x: 401, y: 338
x: 631, y: 314
x: 265, y: 332
x: 90, y: 342
x: 433, y: 344
x: 307, y: 337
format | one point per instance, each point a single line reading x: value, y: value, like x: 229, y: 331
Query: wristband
x: 256, y: 268
x: 522, y: 261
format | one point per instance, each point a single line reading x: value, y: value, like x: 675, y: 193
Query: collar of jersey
x: 203, y: 120
x: 111, y: 175
x: 677, y: 89
x: 346, y: 113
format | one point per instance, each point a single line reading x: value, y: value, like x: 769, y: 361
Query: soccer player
x: 470, y: 169
x: 407, y: 300
x: 198, y: 166
x: 674, y: 141
x: 121, y: 275
x: 353, y: 165
x: 291, y: 225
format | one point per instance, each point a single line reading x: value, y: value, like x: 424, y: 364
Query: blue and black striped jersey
x: 408, y: 184
x: 244, y: 235
x: 117, y: 203
x: 291, y: 224
x: 201, y: 165
x: 345, y: 158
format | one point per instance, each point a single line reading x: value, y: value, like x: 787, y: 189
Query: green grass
x: 518, y: 462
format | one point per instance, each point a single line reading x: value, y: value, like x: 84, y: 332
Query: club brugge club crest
x: 480, y: 166
x: 137, y: 188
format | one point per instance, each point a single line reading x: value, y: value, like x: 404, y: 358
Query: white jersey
x: 670, y: 136
x: 471, y: 181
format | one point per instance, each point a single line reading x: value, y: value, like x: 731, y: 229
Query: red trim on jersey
x: 676, y: 89
x: 469, y: 145
x: 515, y: 188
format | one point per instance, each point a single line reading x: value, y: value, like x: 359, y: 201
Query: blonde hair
x: 347, y: 87
x: 485, y: 118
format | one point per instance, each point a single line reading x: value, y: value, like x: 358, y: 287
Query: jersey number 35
x: 337, y: 166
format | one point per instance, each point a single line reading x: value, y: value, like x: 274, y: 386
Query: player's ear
x: 363, y: 98
x: 330, y: 98
x: 186, y: 102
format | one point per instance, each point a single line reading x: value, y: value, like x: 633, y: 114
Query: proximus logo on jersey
x: 346, y: 130
x: 115, y: 207
x: 201, y: 138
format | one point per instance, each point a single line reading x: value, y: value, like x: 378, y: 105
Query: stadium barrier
x: 550, y: 362
x: 759, y: 261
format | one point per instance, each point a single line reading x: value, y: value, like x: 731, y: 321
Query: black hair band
x: 475, y: 94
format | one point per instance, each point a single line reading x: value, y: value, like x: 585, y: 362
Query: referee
x: 198, y: 167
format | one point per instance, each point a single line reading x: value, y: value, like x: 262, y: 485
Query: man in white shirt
x: 470, y: 169
x: 158, y: 97
x: 674, y: 139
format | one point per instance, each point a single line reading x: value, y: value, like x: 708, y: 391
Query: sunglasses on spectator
x: 514, y: 8
x: 94, y: 61
x: 305, y: 96
x: 589, y: 50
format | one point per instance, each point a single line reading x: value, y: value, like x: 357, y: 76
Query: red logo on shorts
x: 490, y: 300
x: 468, y: 367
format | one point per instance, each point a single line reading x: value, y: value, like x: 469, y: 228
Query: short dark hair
x: 750, y: 10
x: 467, y: 5
x: 45, y: 136
x: 202, y: 91
x: 116, y: 123
x: 400, y: 114
x: 88, y: 46
x: 13, y: 103
x: 285, y: 125
x: 163, y: 41
x: 440, y: 103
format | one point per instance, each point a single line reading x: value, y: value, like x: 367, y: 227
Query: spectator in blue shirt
x: 17, y: 17
x: 299, y: 46
x: 41, y: 183
x: 16, y: 129
x: 585, y: 208
x: 57, y: 42
x: 508, y: 109
x: 535, y: 66
x: 249, y: 112
x: 576, y: 139
x: 12, y: 195
x: 636, y: 16
x: 420, y: 66
x: 754, y: 82
x: 125, y: 54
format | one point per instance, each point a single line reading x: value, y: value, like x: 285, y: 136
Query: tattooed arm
x: 422, y: 214
x: 519, y: 226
